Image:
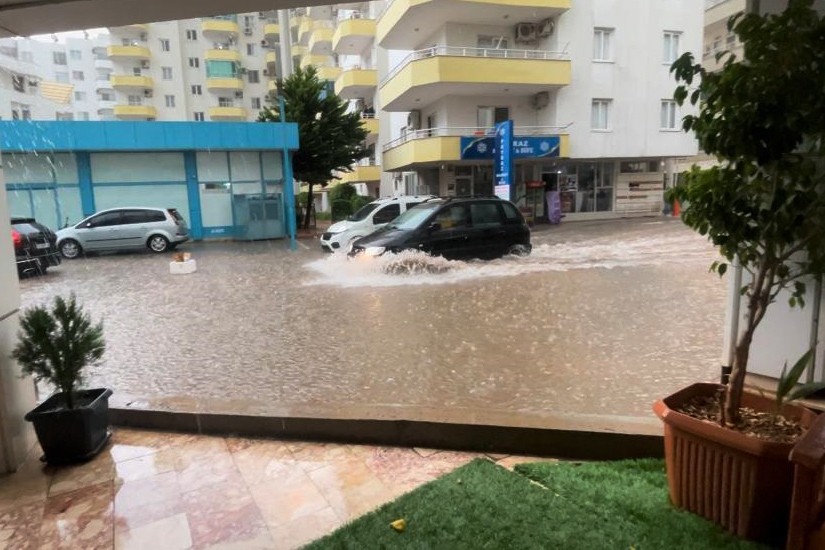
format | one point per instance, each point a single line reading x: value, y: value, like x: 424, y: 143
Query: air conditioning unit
x: 243, y: 70
x: 144, y: 64
x: 526, y: 33
x: 414, y: 120
x: 266, y: 73
x: 546, y: 27
x: 147, y: 93
x: 239, y: 94
x: 264, y: 43
x: 541, y: 100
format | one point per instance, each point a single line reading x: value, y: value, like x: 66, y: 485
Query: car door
x: 488, y: 235
x: 385, y: 215
x: 447, y: 234
x: 133, y: 227
x: 98, y: 233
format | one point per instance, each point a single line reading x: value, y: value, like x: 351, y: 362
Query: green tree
x: 763, y: 117
x: 340, y: 200
x: 331, y: 139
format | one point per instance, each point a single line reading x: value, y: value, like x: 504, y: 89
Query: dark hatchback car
x: 455, y: 228
x: 35, y: 246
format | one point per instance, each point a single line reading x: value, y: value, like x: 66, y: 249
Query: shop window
x: 638, y: 167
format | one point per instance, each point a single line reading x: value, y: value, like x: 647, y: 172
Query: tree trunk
x: 69, y: 392
x: 310, y: 198
x: 736, y: 385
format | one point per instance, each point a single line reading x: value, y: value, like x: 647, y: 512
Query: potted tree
x: 55, y: 345
x: 763, y: 117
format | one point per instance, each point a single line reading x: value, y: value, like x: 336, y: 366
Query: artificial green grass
x: 604, y: 505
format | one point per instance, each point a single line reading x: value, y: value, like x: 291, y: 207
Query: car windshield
x: 363, y: 212
x: 414, y: 217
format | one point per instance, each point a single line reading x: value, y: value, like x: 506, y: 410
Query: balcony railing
x: 460, y: 51
x: 472, y: 131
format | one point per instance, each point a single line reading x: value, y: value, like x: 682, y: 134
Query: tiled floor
x: 162, y: 491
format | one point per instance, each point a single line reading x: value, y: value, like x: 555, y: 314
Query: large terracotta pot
x: 739, y: 482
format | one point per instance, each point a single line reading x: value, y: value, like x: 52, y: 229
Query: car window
x: 25, y: 228
x: 106, y: 219
x: 511, y: 214
x: 134, y: 216
x: 157, y: 215
x: 452, y: 217
x: 485, y: 214
x: 363, y: 212
x: 386, y: 214
x: 173, y: 211
x: 411, y: 204
x: 414, y: 217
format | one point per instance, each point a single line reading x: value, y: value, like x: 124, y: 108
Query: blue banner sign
x: 504, y: 159
x: 524, y: 147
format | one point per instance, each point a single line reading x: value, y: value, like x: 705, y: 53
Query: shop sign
x: 524, y: 147
x: 504, y: 157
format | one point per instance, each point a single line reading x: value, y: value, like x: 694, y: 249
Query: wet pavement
x: 600, y: 321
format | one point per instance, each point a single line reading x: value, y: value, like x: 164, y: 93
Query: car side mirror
x: 435, y: 226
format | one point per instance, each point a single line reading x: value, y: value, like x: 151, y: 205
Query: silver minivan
x: 158, y: 229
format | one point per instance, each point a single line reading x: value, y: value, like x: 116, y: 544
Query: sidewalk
x: 169, y: 490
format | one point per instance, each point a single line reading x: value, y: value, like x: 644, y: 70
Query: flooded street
x: 602, y: 319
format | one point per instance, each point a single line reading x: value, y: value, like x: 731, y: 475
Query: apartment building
x: 586, y: 83
x: 49, y: 80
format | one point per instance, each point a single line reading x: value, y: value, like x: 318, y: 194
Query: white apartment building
x: 42, y: 80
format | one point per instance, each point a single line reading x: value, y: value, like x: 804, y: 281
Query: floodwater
x: 600, y: 321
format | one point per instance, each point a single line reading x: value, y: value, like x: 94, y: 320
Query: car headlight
x: 374, y: 250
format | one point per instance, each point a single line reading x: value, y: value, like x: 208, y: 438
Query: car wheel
x: 158, y: 243
x: 70, y: 249
x: 518, y: 250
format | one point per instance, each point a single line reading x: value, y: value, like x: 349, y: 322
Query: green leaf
x: 788, y: 380
x: 806, y: 390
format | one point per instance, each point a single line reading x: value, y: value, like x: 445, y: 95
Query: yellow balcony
x: 320, y: 41
x: 429, y: 148
x: 128, y: 52
x: 298, y: 50
x: 224, y: 84
x: 361, y: 174
x: 406, y: 23
x: 272, y: 87
x: 222, y: 55
x: 355, y: 83
x: 272, y: 31
x: 219, y: 27
x: 134, y: 111
x: 328, y: 73
x: 315, y: 60
x: 298, y: 21
x: 304, y: 30
x: 430, y: 74
x: 129, y: 81
x: 353, y: 36
x: 371, y: 125
x: 227, y: 113
x: 129, y: 29
x: 271, y: 58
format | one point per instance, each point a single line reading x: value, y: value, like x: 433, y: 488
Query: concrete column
x: 286, y: 44
x: 17, y: 394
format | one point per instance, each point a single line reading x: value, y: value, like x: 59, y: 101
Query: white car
x: 370, y: 217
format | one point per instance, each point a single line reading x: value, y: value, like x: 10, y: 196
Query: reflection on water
x: 601, y: 319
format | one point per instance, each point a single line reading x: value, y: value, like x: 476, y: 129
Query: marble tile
x: 273, y: 462
x: 224, y: 514
x: 65, y: 479
x: 201, y: 473
x: 147, y: 491
x: 402, y: 469
x: 350, y: 487
x: 171, y: 533
x: 150, y: 439
x: 158, y: 462
x: 425, y: 452
x: 312, y: 456
x: 134, y: 517
x: 79, y: 519
x: 203, y: 449
x: 28, y: 485
x: 280, y: 504
x: 306, y: 529
x: 20, y: 526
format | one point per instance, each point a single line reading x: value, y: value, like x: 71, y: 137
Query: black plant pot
x: 72, y: 435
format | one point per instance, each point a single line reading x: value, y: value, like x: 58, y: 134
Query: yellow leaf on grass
x: 399, y: 525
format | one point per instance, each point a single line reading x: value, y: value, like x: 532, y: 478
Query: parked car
x: 368, y: 218
x: 157, y: 229
x: 35, y: 246
x: 459, y: 228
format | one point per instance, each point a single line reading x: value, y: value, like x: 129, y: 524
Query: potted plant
x: 55, y: 345
x: 763, y: 117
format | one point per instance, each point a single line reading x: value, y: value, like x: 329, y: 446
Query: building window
x: 107, y: 96
x: 600, y: 114
x: 199, y: 116
x: 250, y: 49
x: 164, y: 45
x: 170, y: 100
x: 670, y: 47
x: 225, y: 102
x: 59, y: 58
x: 253, y: 76
x: 196, y: 89
x: 75, y: 55
x: 62, y: 77
x: 667, y: 120
x: 135, y: 100
x: 191, y: 34
x: 62, y: 116
x: 77, y: 75
x: 80, y: 96
x: 194, y: 62
x: 82, y: 115
x: 602, y: 39
x: 166, y: 72
x: 491, y: 42
x: 638, y: 167
x: 488, y: 117
x: 256, y: 102
x: 18, y: 82
x: 137, y: 71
